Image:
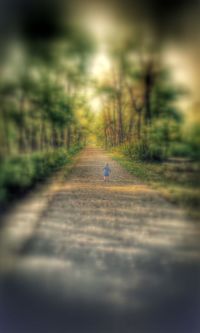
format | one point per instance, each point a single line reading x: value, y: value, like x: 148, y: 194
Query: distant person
x: 106, y: 172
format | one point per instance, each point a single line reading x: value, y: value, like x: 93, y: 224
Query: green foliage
x: 107, y: 90
x: 20, y: 173
x: 193, y: 140
x: 164, y: 139
x: 41, y: 87
x: 189, y: 145
x: 144, y: 151
x: 155, y: 142
x: 163, y: 99
x: 180, y: 149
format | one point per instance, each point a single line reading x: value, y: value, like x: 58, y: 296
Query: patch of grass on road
x: 178, y: 182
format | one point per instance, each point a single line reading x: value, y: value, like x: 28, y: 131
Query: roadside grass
x: 178, y: 182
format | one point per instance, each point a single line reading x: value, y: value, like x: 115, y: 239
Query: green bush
x: 193, y: 140
x: 144, y: 152
x: 180, y: 149
x: 189, y: 150
x: 20, y: 173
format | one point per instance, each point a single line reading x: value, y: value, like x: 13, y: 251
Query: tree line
x: 139, y: 102
x: 41, y: 95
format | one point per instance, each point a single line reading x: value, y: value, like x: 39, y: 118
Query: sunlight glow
x: 99, y: 69
x: 178, y: 62
x: 100, y: 65
x: 181, y: 71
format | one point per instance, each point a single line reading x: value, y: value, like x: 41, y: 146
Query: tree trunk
x: 114, y: 123
x: 21, y: 125
x: 148, y: 84
x: 120, y: 119
x: 5, y: 144
x: 54, y: 136
x: 68, y: 137
x: 139, y: 124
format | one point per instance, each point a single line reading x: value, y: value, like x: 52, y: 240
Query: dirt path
x: 105, y: 257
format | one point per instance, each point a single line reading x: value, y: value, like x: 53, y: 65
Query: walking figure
x: 106, y: 172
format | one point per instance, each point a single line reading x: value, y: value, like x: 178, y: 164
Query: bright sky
x: 101, y: 64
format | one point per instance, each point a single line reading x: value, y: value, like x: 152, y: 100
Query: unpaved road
x: 104, y: 257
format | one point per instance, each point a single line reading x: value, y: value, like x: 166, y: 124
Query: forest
x: 55, y: 100
x: 44, y: 113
